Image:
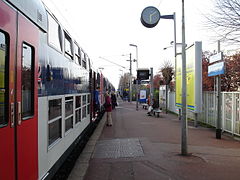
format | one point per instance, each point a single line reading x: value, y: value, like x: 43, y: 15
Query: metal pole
x: 218, y: 128
x: 130, y: 81
x: 184, y: 149
x: 137, y: 79
x: 151, y: 86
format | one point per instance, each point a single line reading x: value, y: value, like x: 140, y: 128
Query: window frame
x: 68, y: 116
x: 77, y: 54
x: 32, y: 81
x: 58, y: 118
x: 6, y: 80
x: 69, y: 55
x: 59, y: 34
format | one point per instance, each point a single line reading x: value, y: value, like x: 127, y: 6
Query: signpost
x: 216, y: 69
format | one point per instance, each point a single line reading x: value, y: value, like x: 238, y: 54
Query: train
x: 47, y: 91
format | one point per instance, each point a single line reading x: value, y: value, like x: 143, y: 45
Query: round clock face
x: 150, y: 16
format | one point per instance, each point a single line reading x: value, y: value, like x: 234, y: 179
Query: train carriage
x: 46, y: 91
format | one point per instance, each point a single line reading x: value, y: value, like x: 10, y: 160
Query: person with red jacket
x: 108, y: 109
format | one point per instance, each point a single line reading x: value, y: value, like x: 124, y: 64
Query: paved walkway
x: 141, y: 147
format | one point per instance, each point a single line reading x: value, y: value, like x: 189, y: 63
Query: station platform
x: 141, y: 147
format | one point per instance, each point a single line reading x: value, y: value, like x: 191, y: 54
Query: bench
x: 156, y: 112
x: 144, y: 106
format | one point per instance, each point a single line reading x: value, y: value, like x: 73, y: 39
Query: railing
x: 230, y: 110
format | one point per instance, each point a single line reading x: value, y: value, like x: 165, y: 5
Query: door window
x: 27, y: 81
x: 3, y: 80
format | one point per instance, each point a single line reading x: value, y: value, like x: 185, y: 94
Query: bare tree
x: 225, y: 20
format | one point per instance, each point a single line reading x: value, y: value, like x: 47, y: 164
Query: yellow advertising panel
x: 193, y: 78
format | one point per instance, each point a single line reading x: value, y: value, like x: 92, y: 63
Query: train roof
x: 33, y: 9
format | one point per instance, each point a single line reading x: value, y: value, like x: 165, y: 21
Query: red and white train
x: 46, y: 91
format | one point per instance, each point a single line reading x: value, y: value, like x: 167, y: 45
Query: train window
x: 84, y: 112
x: 84, y: 63
x: 27, y: 81
x: 68, y: 113
x: 84, y: 100
x: 3, y: 79
x: 68, y: 46
x: 77, y: 53
x: 78, y: 109
x: 54, y: 33
x: 54, y: 123
x: 88, y: 106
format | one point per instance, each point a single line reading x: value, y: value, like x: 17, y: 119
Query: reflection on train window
x: 78, y: 114
x: 68, y: 46
x: 27, y: 81
x: 54, y: 33
x: 54, y: 121
x: 68, y: 113
x: 77, y: 54
x: 3, y: 76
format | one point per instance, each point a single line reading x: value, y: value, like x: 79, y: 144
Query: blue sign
x: 216, y: 69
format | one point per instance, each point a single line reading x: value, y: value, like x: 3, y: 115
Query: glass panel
x: 68, y: 124
x: 27, y: 81
x: 54, y: 131
x: 68, y: 46
x: 84, y: 99
x: 88, y: 99
x: 68, y: 108
x: 78, y: 101
x: 84, y: 112
x: 84, y: 64
x: 88, y: 109
x: 53, y: 33
x: 3, y: 85
x: 78, y: 115
x: 77, y: 54
x: 55, y: 108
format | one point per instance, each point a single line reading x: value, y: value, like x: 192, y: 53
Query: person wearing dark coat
x: 108, y: 109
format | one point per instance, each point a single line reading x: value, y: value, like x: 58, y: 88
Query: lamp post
x: 184, y: 150
x: 136, y: 70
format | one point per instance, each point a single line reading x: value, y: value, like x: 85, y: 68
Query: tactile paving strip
x: 118, y: 148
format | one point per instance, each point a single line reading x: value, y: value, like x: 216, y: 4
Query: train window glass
x: 55, y: 108
x: 88, y: 98
x: 84, y: 112
x: 78, y: 109
x: 77, y: 55
x: 78, y: 116
x: 82, y: 56
x: 88, y: 109
x: 68, y: 106
x: 84, y: 63
x: 84, y: 101
x: 3, y: 81
x: 54, y: 131
x: 78, y: 101
x: 53, y: 33
x: 27, y: 81
x: 68, y: 123
x: 68, y: 46
x: 68, y: 113
x: 55, y: 119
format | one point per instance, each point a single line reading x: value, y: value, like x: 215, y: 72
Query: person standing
x: 108, y: 109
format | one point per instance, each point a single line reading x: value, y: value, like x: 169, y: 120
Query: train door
x: 26, y: 100
x: 7, y: 91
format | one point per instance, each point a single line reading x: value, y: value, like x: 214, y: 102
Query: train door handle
x: 19, y: 114
x: 12, y: 114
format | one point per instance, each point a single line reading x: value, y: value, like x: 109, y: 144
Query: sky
x: 105, y: 28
